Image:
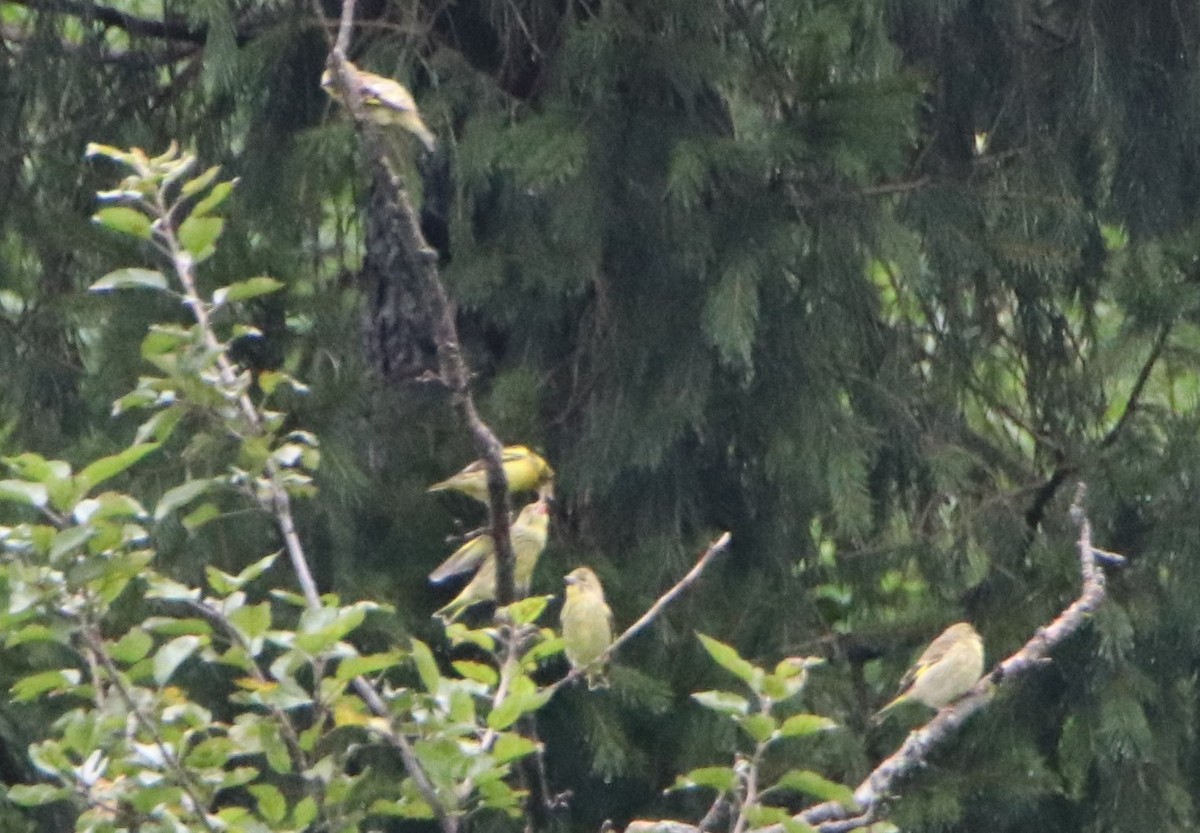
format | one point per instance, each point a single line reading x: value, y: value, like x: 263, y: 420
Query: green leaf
x: 245, y: 290
x: 271, y: 803
x: 199, y: 516
x: 130, y: 279
x: 759, y: 726
x: 108, y: 467
x: 800, y: 725
x: 198, y: 234
x: 35, y: 685
x: 427, y: 668
x: 180, y: 495
x: 514, y: 705
x: 132, y: 647
x: 351, y: 667
x: 215, y: 197
x: 320, y: 630
x: 33, y: 795
x: 719, y: 778
x: 19, y: 491
x: 199, y: 183
x: 729, y: 659
x: 304, y: 812
x: 252, y: 621
x: 723, y: 702
x: 477, y: 672
x: 818, y: 786
x: 510, y: 747
x: 125, y: 220
x: 171, y: 655
x: 527, y: 611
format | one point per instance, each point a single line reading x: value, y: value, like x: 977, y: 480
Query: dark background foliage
x: 869, y: 284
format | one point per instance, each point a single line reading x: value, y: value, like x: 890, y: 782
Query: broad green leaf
x: 180, y: 496
x: 199, y: 183
x: 719, y: 778
x: 271, y: 803
x: 245, y: 290
x: 304, y: 812
x: 516, y: 704
x: 33, y: 795
x: 35, y: 685
x: 132, y: 647
x: 477, y: 671
x: 729, y: 659
x: 799, y: 725
x: 109, y: 467
x: 759, y: 726
x: 510, y: 747
x: 818, y: 786
x: 351, y: 667
x: 527, y: 611
x: 724, y: 702
x: 20, y: 491
x: 171, y: 655
x: 214, y: 198
x: 130, y: 278
x: 125, y: 220
x: 198, y: 234
x: 426, y: 666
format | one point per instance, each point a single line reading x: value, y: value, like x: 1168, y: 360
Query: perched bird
x: 587, y: 625
x: 384, y: 102
x: 528, y: 535
x: 945, y: 671
x: 525, y: 470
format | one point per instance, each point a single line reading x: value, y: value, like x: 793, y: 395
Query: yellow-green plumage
x: 524, y: 470
x: 384, y: 101
x: 587, y: 627
x: 945, y: 671
x: 528, y: 535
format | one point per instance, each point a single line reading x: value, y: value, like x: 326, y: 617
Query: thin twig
x: 715, y: 548
x: 870, y: 795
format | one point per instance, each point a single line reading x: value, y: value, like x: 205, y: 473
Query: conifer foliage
x: 869, y: 284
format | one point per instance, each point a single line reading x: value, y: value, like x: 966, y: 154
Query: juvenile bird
x: 528, y: 534
x: 524, y: 469
x: 384, y: 102
x: 587, y: 624
x: 945, y: 671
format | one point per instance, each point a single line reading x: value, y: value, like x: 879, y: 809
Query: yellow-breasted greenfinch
x: 587, y: 624
x: 384, y: 102
x: 524, y: 469
x: 528, y: 535
x: 945, y: 671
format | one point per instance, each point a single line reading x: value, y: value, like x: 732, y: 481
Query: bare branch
x: 715, y: 548
x: 870, y: 795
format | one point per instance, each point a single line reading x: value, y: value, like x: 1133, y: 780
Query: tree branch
x: 652, y: 613
x: 870, y: 795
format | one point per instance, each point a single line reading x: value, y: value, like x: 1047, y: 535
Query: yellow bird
x: 384, y: 102
x: 524, y: 469
x: 528, y: 535
x: 587, y: 624
x: 945, y: 671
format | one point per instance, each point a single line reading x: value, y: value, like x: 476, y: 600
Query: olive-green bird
x: 384, y: 102
x: 587, y: 624
x: 525, y: 471
x: 528, y: 534
x: 945, y: 671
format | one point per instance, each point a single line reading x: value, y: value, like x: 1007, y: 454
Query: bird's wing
x: 465, y: 558
x: 385, y: 91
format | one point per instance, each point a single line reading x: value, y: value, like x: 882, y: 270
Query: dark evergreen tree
x: 870, y: 284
